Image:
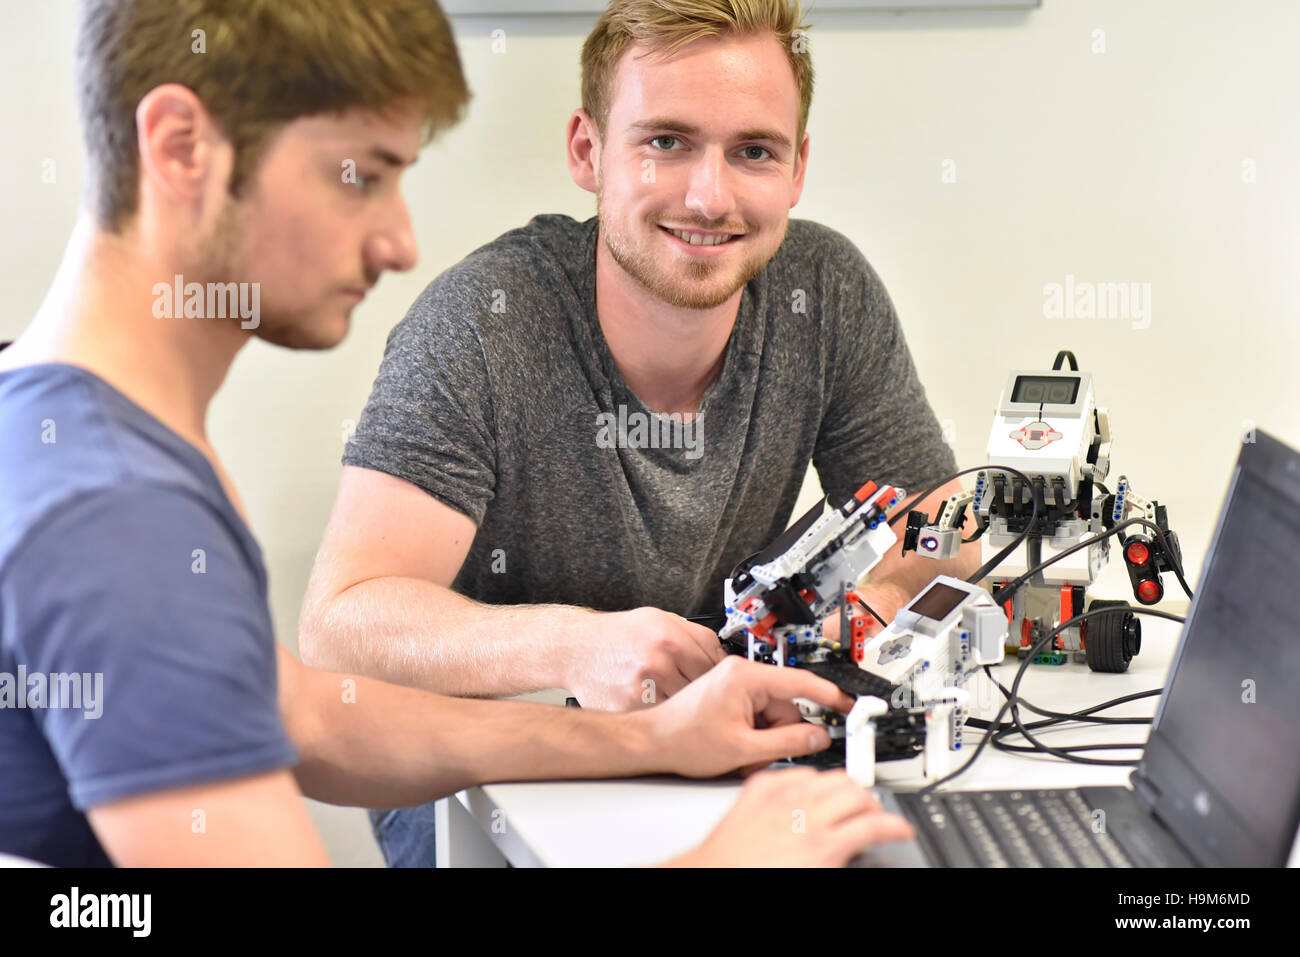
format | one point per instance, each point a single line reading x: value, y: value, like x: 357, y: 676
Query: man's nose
x: 392, y: 245
x: 709, y: 192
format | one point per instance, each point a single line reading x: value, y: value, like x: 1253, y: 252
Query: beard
x: 216, y: 257
x: 220, y: 258
x: 706, y: 283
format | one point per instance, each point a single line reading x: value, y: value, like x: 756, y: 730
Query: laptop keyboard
x: 1050, y: 828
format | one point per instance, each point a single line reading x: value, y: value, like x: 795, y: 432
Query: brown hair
x: 256, y: 65
x: 668, y: 25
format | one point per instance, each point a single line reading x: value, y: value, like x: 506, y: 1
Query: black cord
x: 1015, y: 690
x: 1084, y: 715
x: 1056, y: 718
x: 735, y: 569
x: 1064, y: 749
x: 870, y: 611
x: 1062, y: 356
x: 1003, y: 592
x: 1015, y: 687
x: 1000, y: 556
x: 948, y: 478
x: 1015, y: 700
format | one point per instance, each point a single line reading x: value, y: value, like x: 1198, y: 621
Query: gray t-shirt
x: 498, y: 396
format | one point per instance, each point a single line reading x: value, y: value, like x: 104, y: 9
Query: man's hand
x: 633, y: 659
x: 740, y: 715
x: 797, y: 818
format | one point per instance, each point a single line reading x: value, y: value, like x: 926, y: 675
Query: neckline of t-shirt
x: 160, y: 429
x: 745, y: 337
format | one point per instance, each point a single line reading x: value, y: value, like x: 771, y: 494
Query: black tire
x: 1111, y: 641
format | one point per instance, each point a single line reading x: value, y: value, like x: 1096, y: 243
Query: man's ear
x: 583, y: 150
x: 800, y: 167
x: 180, y: 145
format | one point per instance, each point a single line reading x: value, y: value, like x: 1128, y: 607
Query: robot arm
x: 1098, y: 464
x: 940, y: 539
x: 1144, y: 559
x: 781, y: 600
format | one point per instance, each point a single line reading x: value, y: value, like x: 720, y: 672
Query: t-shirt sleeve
x: 140, y: 615
x: 429, y: 419
x: 878, y: 422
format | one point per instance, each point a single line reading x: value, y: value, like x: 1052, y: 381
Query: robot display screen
x: 1052, y: 390
x: 938, y: 601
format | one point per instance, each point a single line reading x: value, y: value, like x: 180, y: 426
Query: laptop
x: 1219, y: 781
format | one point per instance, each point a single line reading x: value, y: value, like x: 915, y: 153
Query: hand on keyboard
x: 798, y: 818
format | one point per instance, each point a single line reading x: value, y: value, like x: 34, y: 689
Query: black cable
x: 1015, y: 690
x: 1086, y: 714
x: 1003, y: 592
x: 1056, y: 719
x: 986, y: 569
x: 870, y: 611
x: 1000, y: 556
x: 983, y: 724
x: 735, y: 569
x: 1075, y: 747
x: 1015, y: 686
x: 948, y: 478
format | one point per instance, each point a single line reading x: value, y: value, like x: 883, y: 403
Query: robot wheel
x: 1111, y: 641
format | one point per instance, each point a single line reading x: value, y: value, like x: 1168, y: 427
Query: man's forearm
x: 368, y: 743
x: 417, y: 633
x: 902, y: 576
x: 913, y: 573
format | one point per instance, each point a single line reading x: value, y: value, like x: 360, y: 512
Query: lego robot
x: 789, y: 589
x: 1048, y: 426
x: 910, y: 680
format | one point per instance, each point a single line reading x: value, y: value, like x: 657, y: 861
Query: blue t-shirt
x: 136, y: 645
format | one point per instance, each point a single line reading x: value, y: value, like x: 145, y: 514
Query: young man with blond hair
x: 580, y: 429
x: 219, y: 138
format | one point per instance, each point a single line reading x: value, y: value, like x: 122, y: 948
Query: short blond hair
x: 668, y: 25
x: 261, y: 64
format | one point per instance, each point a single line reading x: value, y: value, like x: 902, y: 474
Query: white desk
x: 646, y: 820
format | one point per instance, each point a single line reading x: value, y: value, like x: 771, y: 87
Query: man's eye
x: 750, y: 149
x: 660, y: 139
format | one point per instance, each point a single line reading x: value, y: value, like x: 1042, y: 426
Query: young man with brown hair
x: 220, y: 137
x: 603, y: 418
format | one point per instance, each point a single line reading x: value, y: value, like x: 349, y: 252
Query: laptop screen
x: 1223, y: 761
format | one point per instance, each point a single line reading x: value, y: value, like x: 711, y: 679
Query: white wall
x: 1122, y: 166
